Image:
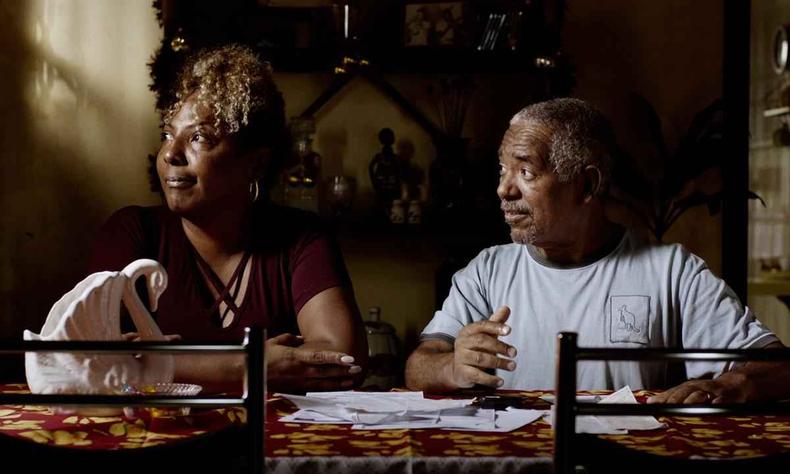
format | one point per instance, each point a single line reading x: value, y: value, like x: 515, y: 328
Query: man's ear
x: 593, y: 182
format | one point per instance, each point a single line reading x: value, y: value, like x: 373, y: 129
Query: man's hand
x: 477, y: 348
x: 730, y: 387
x: 293, y: 368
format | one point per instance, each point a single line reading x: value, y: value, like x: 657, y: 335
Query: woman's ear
x: 593, y: 182
x: 260, y: 158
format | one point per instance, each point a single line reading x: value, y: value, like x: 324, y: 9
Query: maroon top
x: 293, y: 259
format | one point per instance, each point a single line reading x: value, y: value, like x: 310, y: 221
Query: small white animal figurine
x: 91, y: 312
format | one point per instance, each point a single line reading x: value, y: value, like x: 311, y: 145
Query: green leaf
x: 754, y: 195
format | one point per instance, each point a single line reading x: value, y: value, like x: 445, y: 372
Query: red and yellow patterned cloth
x: 710, y: 437
x: 149, y: 427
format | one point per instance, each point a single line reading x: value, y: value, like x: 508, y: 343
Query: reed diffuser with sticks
x: 453, y: 96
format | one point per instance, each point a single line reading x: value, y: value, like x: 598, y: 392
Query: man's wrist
x: 449, y: 380
x: 739, y: 381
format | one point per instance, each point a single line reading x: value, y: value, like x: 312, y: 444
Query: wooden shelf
x: 768, y: 287
x: 777, y: 287
x: 412, y: 60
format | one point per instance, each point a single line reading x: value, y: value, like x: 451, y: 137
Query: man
x: 571, y: 269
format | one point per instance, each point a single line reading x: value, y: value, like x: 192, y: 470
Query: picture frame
x: 436, y: 24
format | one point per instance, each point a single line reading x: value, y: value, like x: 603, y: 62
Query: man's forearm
x: 430, y: 369
x: 760, y: 380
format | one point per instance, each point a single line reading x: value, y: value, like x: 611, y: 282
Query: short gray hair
x: 580, y: 136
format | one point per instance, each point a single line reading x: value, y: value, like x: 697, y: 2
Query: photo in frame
x: 435, y: 24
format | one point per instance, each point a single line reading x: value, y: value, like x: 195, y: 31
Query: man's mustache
x: 515, y: 207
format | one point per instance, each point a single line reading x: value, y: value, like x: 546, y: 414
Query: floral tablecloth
x: 148, y: 427
x: 292, y: 447
x: 709, y: 437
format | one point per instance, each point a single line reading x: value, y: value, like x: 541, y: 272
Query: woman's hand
x: 135, y: 337
x: 292, y: 366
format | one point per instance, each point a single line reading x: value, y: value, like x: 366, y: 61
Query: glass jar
x: 384, y: 359
x: 302, y: 179
x: 340, y: 195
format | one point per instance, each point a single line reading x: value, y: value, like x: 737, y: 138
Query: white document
x: 625, y: 395
x: 499, y: 421
x: 309, y: 416
x: 372, y: 408
x: 615, y: 424
x: 402, y: 410
x: 579, y: 398
x: 508, y: 420
x: 514, y: 418
x: 384, y: 402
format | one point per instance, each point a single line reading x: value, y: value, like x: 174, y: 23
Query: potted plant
x: 655, y: 191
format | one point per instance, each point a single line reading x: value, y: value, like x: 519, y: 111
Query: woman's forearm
x: 216, y: 373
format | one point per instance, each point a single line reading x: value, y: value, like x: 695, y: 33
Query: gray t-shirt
x: 638, y: 295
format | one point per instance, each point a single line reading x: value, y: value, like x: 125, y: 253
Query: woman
x: 233, y: 258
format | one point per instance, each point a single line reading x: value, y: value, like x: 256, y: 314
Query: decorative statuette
x: 385, y: 170
x: 91, y: 312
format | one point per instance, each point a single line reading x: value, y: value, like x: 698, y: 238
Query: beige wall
x: 670, y: 52
x: 77, y: 123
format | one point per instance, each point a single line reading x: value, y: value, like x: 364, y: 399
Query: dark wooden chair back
x: 572, y: 449
x: 207, y: 453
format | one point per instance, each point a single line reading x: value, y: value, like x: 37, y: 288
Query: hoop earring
x: 255, y: 191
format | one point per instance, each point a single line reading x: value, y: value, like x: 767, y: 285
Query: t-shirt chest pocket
x: 628, y: 320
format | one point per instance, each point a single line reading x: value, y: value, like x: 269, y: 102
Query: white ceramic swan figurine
x: 91, y: 312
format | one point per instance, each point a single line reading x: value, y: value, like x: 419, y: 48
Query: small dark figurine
x: 385, y: 169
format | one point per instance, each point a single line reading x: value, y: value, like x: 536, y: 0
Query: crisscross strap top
x: 227, y: 293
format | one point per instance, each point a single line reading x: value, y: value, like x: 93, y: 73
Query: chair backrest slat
x: 253, y: 398
x: 567, y: 408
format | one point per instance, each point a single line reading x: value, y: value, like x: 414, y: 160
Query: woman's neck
x: 220, y: 235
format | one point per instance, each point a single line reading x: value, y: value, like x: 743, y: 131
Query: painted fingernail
x: 512, y: 352
x: 499, y: 382
x: 511, y: 365
x: 505, y: 330
x: 346, y: 359
x: 347, y: 383
x: 355, y: 369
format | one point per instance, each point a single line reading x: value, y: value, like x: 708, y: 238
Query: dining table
x: 300, y: 447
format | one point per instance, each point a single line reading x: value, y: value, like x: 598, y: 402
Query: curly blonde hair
x: 237, y: 86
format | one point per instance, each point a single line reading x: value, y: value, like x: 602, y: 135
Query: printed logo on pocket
x: 629, y: 317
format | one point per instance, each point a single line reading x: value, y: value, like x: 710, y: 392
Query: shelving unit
x: 768, y: 171
x: 770, y: 287
x: 371, y: 46
x: 776, y: 112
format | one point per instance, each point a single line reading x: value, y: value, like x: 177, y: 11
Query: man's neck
x: 591, y: 244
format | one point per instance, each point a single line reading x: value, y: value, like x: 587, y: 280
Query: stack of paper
x: 399, y: 410
x: 613, y: 424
